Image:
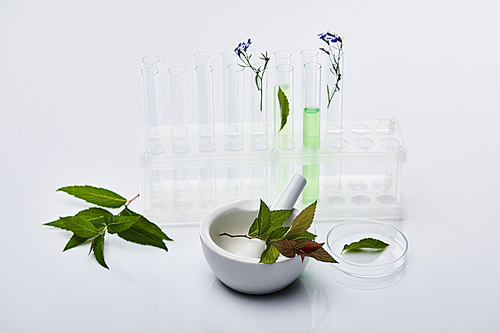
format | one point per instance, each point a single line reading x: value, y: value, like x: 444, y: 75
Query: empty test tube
x: 178, y: 109
x: 152, y: 109
x: 205, y: 104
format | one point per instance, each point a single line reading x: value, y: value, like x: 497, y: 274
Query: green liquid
x: 311, y: 190
x: 311, y: 139
x: 311, y: 123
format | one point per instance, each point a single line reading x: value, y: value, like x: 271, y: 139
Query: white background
x: 70, y: 101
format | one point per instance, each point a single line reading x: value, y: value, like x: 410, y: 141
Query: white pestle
x: 285, y: 200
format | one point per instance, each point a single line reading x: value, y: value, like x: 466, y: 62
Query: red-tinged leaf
x: 285, y: 247
x: 302, y: 256
x: 302, y: 222
x: 321, y: 255
x: 311, y: 248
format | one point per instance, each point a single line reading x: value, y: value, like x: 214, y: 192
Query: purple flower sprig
x: 334, y: 53
x: 241, y: 51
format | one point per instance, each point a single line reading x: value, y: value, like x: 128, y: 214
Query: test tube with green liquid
x: 311, y: 90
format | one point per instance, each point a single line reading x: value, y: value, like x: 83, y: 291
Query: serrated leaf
x: 81, y: 227
x: 74, y: 241
x: 270, y: 254
x: 94, y: 215
x: 284, y: 108
x: 95, y: 195
x: 285, y: 247
x: 117, y: 224
x: 278, y: 217
x: 308, y: 235
x: 60, y: 223
x: 315, y: 250
x: 265, y: 218
x: 302, y: 222
x: 145, y: 225
x: 97, y: 247
x: 278, y: 233
x: 365, y: 243
x: 137, y: 235
x: 254, y: 228
x: 321, y: 255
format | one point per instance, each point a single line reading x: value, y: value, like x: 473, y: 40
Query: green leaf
x: 278, y: 217
x: 74, y: 241
x: 284, y: 108
x: 97, y: 247
x: 278, y: 233
x: 308, y: 235
x: 81, y: 227
x: 95, y: 195
x: 302, y: 222
x: 145, y: 225
x: 135, y: 234
x: 265, y: 218
x: 117, y: 224
x: 270, y: 254
x: 143, y: 232
x: 60, y: 223
x: 365, y: 243
x: 95, y: 216
x: 255, y: 228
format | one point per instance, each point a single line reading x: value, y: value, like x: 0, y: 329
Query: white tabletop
x: 70, y: 99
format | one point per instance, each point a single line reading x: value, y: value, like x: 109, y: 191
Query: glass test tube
x: 285, y: 87
x: 205, y: 103
x: 232, y: 112
x: 280, y: 57
x: 227, y: 58
x: 154, y: 193
x: 178, y: 109
x: 334, y: 95
x: 307, y: 55
x: 152, y: 109
x: 201, y: 58
x: 151, y: 61
x: 182, y: 197
x: 285, y: 90
x: 258, y: 113
x: 311, y: 127
x: 233, y: 121
x: 207, y: 188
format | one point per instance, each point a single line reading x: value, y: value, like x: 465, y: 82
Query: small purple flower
x: 242, y: 46
x: 329, y: 37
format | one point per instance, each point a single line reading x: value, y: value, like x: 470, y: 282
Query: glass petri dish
x: 369, y: 264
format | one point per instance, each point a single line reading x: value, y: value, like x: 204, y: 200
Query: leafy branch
x: 92, y: 224
x: 241, y: 51
x: 288, y: 241
x: 335, y: 53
